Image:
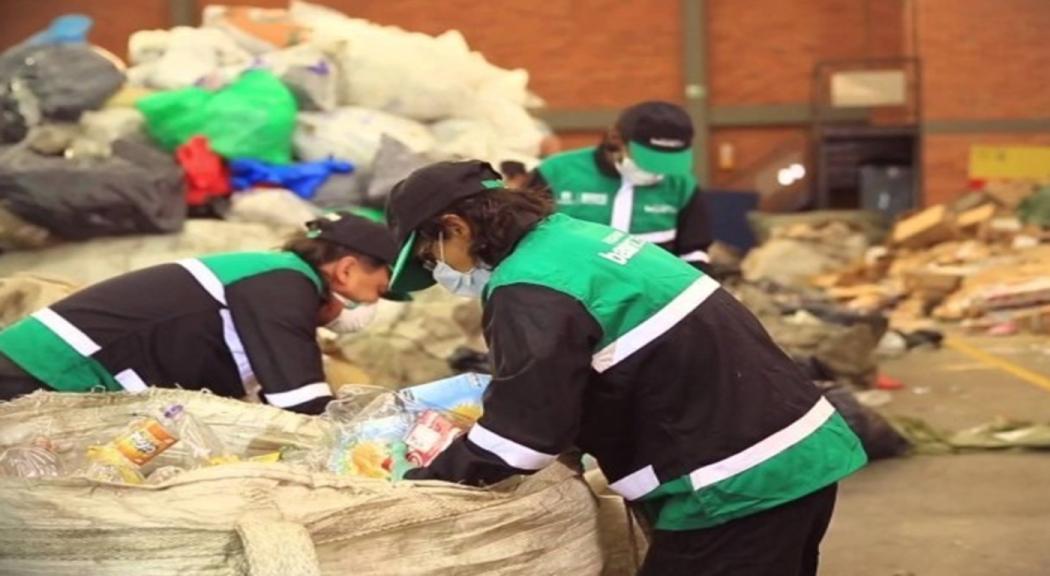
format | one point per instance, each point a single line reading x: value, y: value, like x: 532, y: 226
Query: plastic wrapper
x: 397, y: 431
x: 129, y: 457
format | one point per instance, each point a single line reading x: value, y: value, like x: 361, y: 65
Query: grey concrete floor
x: 973, y: 514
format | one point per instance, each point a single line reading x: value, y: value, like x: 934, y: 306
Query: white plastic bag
x: 182, y: 56
x: 354, y: 134
x: 406, y: 73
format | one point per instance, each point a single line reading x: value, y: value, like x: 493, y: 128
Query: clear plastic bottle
x: 38, y: 459
x: 199, y: 442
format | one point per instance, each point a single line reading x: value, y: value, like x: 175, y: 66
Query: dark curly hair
x: 498, y: 219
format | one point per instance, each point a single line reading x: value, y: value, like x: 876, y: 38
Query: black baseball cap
x: 360, y: 234
x: 356, y: 233
x: 659, y: 137
x: 424, y: 194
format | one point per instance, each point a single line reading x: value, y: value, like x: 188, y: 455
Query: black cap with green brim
x: 359, y: 234
x: 426, y: 193
x: 659, y: 137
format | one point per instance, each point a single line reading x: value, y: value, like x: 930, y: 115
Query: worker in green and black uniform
x: 606, y: 343
x: 639, y: 179
x: 214, y: 322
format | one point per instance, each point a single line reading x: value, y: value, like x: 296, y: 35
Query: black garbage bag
x: 65, y: 79
x: 139, y: 190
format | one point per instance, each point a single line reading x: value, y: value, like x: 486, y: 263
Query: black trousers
x: 782, y: 541
x: 15, y: 382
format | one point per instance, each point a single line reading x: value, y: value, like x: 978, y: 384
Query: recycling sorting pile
x: 375, y: 433
x: 259, y: 115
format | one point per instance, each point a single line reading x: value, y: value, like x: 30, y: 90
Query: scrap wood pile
x: 983, y: 261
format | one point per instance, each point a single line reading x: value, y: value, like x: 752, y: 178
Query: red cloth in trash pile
x: 207, y: 177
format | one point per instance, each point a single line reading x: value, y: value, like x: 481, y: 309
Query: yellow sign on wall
x: 1010, y: 163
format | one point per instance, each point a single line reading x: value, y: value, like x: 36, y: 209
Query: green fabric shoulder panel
x: 619, y: 279
x: 564, y: 163
x: 41, y: 353
x: 235, y: 266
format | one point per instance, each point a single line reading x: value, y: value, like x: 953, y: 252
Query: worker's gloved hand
x: 353, y: 319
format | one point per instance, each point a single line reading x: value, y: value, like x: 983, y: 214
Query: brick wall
x: 981, y: 60
x: 985, y: 59
x: 764, y: 52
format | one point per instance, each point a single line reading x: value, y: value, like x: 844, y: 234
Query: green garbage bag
x: 251, y: 118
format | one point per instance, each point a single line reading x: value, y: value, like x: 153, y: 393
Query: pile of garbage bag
x: 226, y: 484
x: 305, y: 100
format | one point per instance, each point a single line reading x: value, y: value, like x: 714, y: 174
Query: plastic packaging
x: 37, y: 459
x: 398, y: 431
x: 124, y: 458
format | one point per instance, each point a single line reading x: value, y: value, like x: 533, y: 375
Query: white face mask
x: 353, y: 318
x: 635, y: 175
x: 468, y: 284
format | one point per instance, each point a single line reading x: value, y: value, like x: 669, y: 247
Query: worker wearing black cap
x: 606, y: 343
x: 214, y: 322
x: 638, y: 180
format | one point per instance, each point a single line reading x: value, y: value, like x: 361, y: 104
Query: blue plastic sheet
x: 304, y: 179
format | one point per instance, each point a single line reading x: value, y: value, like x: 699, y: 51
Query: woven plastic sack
x: 251, y: 118
x: 272, y: 520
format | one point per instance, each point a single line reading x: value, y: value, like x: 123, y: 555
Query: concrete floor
x: 974, y: 514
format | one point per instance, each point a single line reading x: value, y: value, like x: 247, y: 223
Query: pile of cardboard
x: 971, y: 261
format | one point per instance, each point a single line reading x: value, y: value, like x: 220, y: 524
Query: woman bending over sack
x: 214, y: 322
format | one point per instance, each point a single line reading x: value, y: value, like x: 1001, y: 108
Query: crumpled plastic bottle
x: 38, y: 459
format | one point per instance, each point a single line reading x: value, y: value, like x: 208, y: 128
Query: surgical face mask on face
x: 635, y: 175
x: 468, y: 284
x: 353, y: 318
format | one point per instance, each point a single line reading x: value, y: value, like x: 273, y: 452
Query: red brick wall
x: 985, y: 59
x: 981, y: 60
x: 763, y: 52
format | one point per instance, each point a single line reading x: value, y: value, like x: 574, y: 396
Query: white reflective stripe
x: 623, y: 207
x: 765, y: 449
x: 236, y: 347
x: 655, y: 325
x: 657, y: 237
x: 300, y: 395
x: 69, y: 333
x: 131, y: 381
x: 698, y: 256
x: 205, y: 277
x: 514, y: 454
x: 637, y: 484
